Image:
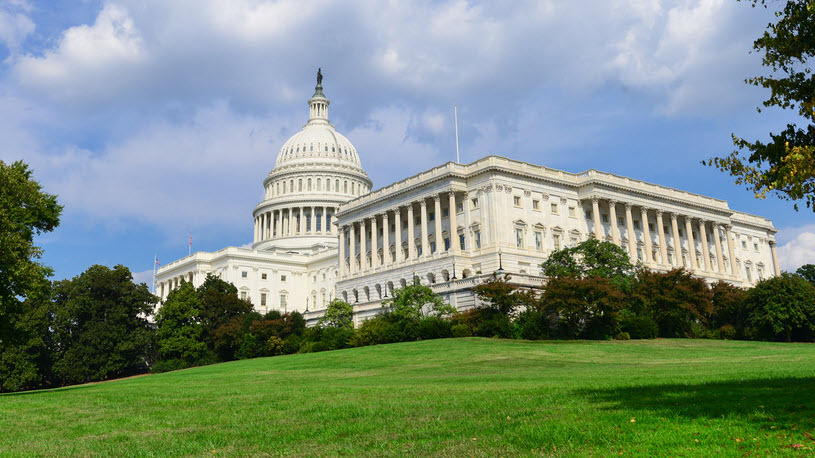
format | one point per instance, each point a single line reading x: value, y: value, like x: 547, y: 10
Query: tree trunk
x: 788, y: 334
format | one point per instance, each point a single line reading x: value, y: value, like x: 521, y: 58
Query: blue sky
x: 155, y: 119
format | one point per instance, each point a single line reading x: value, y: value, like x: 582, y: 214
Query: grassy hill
x: 445, y: 397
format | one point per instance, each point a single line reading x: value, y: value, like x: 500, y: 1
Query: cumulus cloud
x: 15, y: 24
x: 797, y: 247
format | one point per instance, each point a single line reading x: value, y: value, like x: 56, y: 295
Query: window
x: 665, y: 230
x: 446, y: 243
x: 574, y: 241
x: 393, y: 227
x: 404, y: 224
x: 282, y: 278
x: 263, y: 299
x: 588, y: 214
x: 604, y: 217
x: 670, y: 258
x: 650, y: 227
x: 263, y: 276
x: 755, y: 247
x: 554, y: 209
x: 538, y: 241
x: 760, y: 273
x: 519, y: 237
x: 477, y: 236
x: 460, y: 207
x: 283, y: 301
x: 419, y: 250
x: 243, y: 274
x: 636, y: 224
x: 432, y: 216
x: 418, y: 220
x: 620, y: 221
x: 744, y: 244
x: 680, y: 233
x: 516, y: 200
x: 445, y: 212
x: 243, y: 295
x: 474, y: 202
x: 432, y: 247
x: 748, y: 273
x: 323, y: 276
x: 639, y: 253
x: 536, y: 205
x: 556, y: 241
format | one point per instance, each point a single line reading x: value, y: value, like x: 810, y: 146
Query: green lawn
x: 445, y: 397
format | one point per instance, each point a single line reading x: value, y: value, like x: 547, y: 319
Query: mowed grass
x: 473, y: 396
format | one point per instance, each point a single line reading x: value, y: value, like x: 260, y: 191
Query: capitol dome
x: 316, y: 170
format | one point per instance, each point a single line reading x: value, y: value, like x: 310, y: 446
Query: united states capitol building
x: 321, y: 233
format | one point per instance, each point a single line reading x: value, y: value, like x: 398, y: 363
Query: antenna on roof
x: 455, y: 117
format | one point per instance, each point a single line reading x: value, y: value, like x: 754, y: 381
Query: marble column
x: 677, y: 242
x: 454, y: 245
x: 374, y: 244
x: 437, y: 211
x: 292, y: 221
x: 397, y: 236
x: 468, y: 237
x: 342, y: 251
x: 776, y: 267
x: 277, y: 223
x: 632, y: 237
x: 363, y: 244
x: 718, y: 241
x: 646, y: 232
x: 386, y: 245
x: 424, y: 226
x: 705, y: 249
x: 691, y: 243
x: 352, y: 249
x: 663, y: 244
x: 595, y: 213
x: 411, y: 233
x: 615, y: 228
x: 731, y: 245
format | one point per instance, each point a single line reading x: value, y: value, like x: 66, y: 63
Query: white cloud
x: 15, y: 24
x: 145, y: 277
x: 797, y: 248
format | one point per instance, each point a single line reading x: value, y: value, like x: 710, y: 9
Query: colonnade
x: 706, y: 261
x: 290, y: 221
x: 392, y: 251
x: 163, y: 288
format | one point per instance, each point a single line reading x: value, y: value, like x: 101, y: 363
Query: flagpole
x: 189, y: 250
x: 155, y: 260
x: 455, y: 116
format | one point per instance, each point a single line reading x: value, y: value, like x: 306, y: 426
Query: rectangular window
x: 446, y: 244
x: 574, y: 241
x: 536, y: 205
x: 744, y: 244
x: 620, y: 221
x: 539, y: 241
x: 519, y: 237
x: 650, y: 227
x: 282, y: 278
x: 418, y: 250
x: 588, y: 214
x: 639, y: 253
x: 461, y: 241
x: 432, y: 247
x: 760, y: 274
x: 636, y: 224
x: 554, y: 209
x: 680, y: 233
x: 263, y: 276
x: 263, y: 299
x: 418, y: 220
x: 283, y: 301
x: 445, y: 212
x: 474, y: 202
x: 460, y: 207
x: 665, y: 230
x: 243, y: 274
x: 604, y: 217
x: 748, y: 273
x: 755, y: 247
x: 571, y: 212
x: 243, y: 295
x: 556, y: 241
x: 516, y: 200
x: 432, y: 216
x: 477, y: 236
x: 404, y: 224
x: 393, y: 227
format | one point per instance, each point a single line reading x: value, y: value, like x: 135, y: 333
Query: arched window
x: 291, y: 185
x: 336, y: 185
x: 309, y: 184
x: 319, y: 183
x: 353, y: 187
x: 300, y: 185
x: 328, y: 185
x: 345, y: 187
x: 284, y: 187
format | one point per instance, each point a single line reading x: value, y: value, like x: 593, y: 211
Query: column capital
x: 612, y: 203
x: 772, y: 242
x: 673, y: 217
x: 423, y: 203
x: 595, y: 199
x: 436, y: 198
x: 628, y: 206
x: 728, y: 226
x: 658, y: 212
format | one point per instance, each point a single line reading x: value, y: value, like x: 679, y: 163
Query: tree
x: 499, y: 294
x: 782, y: 304
x: 584, y: 307
x: 728, y: 307
x: 180, y: 331
x: 338, y: 314
x: 25, y: 211
x: 100, y: 327
x: 785, y: 166
x: 591, y: 258
x: 411, y: 301
x: 675, y: 300
x: 808, y: 272
x: 219, y: 304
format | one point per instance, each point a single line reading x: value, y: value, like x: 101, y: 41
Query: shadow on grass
x: 771, y: 403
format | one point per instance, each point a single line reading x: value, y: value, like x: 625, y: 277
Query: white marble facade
x: 320, y: 233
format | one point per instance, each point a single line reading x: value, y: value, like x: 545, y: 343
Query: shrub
x: 312, y: 347
x: 727, y: 332
x: 533, y: 325
x: 640, y: 327
x: 291, y: 344
x: 274, y: 346
x: 623, y: 336
x: 461, y: 330
x: 434, y: 328
x: 336, y: 338
x: 496, y: 326
x: 370, y: 332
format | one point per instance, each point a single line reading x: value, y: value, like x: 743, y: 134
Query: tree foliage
x: 338, y: 314
x: 584, y: 307
x: 591, y: 258
x: 415, y: 301
x: 808, y: 272
x: 100, y: 328
x: 675, y: 300
x: 500, y: 294
x: 782, y: 304
x: 785, y: 166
